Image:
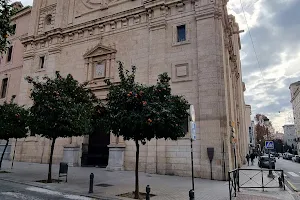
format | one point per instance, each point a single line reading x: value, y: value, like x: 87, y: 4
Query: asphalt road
x: 291, y: 172
x: 15, y: 191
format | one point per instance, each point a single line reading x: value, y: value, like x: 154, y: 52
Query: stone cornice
x: 208, y: 11
x: 110, y: 19
x: 21, y: 13
x: 152, y: 3
x: 159, y: 23
x: 11, y: 69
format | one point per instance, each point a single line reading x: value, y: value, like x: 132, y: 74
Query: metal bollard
x: 192, y: 195
x: 91, y: 190
x: 148, y: 192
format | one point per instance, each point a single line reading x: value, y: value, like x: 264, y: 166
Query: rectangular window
x: 42, y: 62
x: 4, y: 88
x: 181, y: 33
x: 9, y: 53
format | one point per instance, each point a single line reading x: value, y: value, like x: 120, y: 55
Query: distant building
x: 252, y: 134
x: 295, y: 99
x: 278, y: 136
x: 289, y: 136
x: 250, y: 127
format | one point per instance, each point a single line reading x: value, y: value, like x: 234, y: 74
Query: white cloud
x: 272, y: 28
x: 27, y: 2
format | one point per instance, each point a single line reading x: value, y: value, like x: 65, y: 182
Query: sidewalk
x: 164, y: 187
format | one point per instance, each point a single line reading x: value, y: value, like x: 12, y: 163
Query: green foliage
x: 62, y: 107
x: 13, y: 120
x: 6, y: 28
x: 139, y: 112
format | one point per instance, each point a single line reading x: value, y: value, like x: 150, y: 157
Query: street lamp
x: 267, y: 123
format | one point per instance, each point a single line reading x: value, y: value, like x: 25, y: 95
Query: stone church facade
x: 195, y: 41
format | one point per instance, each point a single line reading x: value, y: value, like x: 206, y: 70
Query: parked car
x: 263, y: 162
x: 288, y: 156
x: 272, y: 157
x: 296, y: 158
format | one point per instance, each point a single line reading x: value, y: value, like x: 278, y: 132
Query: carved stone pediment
x: 92, y: 4
x: 99, y: 50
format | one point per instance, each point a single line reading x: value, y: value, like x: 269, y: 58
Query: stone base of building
x: 71, y: 155
x: 116, y: 157
x: 7, y: 151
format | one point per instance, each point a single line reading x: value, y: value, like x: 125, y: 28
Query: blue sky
x: 275, y: 27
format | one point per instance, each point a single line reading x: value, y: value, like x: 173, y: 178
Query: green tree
x: 278, y: 145
x: 6, y: 28
x: 139, y: 112
x: 13, y: 122
x: 62, y: 107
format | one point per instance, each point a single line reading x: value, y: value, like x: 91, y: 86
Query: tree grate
x: 103, y: 185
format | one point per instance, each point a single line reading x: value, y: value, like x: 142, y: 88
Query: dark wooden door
x: 98, y: 150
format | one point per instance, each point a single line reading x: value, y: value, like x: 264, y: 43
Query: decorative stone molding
x: 158, y: 24
x: 181, y: 71
x: 136, y: 19
x: 180, y: 7
x: 96, y: 4
x: 150, y: 13
x: 112, y: 25
x: 46, y: 19
x: 164, y: 10
x: 99, y: 62
x: 124, y: 22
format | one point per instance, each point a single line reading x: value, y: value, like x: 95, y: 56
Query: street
x: 14, y: 191
x: 291, y: 172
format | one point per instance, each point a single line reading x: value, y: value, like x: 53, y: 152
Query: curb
x: 292, y: 186
x: 96, y: 197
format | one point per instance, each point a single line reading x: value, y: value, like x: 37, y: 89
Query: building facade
x: 249, y: 127
x: 289, y: 136
x: 11, y: 63
x: 196, y: 42
x: 295, y: 100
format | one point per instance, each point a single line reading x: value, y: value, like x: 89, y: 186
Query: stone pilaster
x: 212, y: 100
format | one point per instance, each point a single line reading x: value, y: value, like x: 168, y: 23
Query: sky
x: 275, y: 28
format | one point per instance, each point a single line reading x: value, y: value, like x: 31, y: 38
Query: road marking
x: 54, y: 193
x: 45, y: 191
x: 293, y: 174
x: 292, y: 186
x: 19, y: 196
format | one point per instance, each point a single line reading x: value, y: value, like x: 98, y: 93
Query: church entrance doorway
x: 96, y: 152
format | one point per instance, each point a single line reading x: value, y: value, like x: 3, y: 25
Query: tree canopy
x: 6, y: 28
x: 62, y: 107
x: 13, y: 122
x: 140, y: 112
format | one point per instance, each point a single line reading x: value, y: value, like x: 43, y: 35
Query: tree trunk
x: 137, y: 154
x: 3, y: 153
x: 50, y: 162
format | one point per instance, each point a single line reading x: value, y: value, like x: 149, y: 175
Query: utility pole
x: 266, y: 123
